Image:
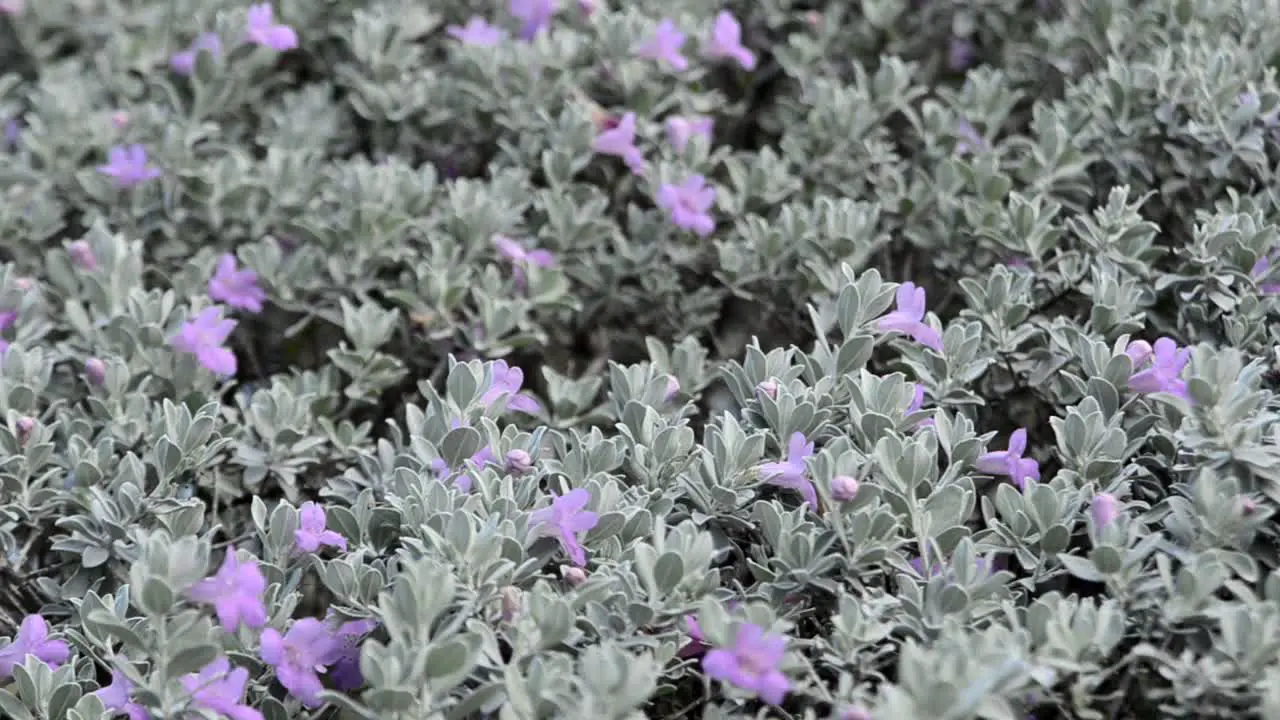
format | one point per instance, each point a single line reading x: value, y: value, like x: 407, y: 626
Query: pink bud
x: 812, y: 18
x: 82, y: 255
x: 768, y: 387
x: 510, y: 603
x: 120, y: 119
x: 1104, y: 510
x: 95, y: 371
x: 844, y: 488
x: 588, y: 7
x: 25, y: 284
x: 12, y: 7
x: 25, y: 426
x: 854, y: 713
x: 518, y: 462
x: 1139, y: 351
x: 1248, y: 506
x: 575, y: 576
x: 673, y: 387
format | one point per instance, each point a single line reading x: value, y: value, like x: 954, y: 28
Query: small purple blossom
x: 204, y: 337
x: 1104, y: 510
x: 520, y: 257
x: 344, y: 665
x: 506, y: 383
x: 968, y: 140
x: 265, y: 31
x: 1259, y: 271
x: 725, y: 42
x: 1167, y: 362
x: 32, y: 639
x: 960, y: 54
x: 298, y: 656
x: 312, y: 532
x: 118, y: 697
x: 793, y: 473
x: 680, y: 130
x: 908, y: 318
x: 564, y: 519
x: 751, y: 663
x: 620, y: 141
x: 689, y: 204
x: 844, y: 488
x: 917, y: 404
x: 664, y: 46
x: 128, y: 165
x: 95, y: 371
x: 477, y: 32
x: 183, y: 62
x: 534, y: 15
x: 7, y: 319
x: 12, y: 132
x: 220, y: 689
x: 82, y: 255
x: 235, y: 592
x: 698, y: 641
x: 237, y: 288
x: 1010, y: 462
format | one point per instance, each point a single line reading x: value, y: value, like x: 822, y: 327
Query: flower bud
x: 854, y: 713
x: 1248, y: 506
x: 82, y: 255
x: 1104, y: 510
x: 588, y: 7
x: 25, y: 426
x: 518, y: 462
x: 95, y: 371
x: 575, y: 576
x: 844, y: 488
x: 1139, y: 351
x: 120, y: 119
x: 12, y: 7
x: 25, y: 284
x: 673, y: 387
x: 510, y: 603
x: 768, y: 387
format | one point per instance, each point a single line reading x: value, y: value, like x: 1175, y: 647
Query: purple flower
x: 520, y: 256
x: 117, y: 697
x: 506, y: 383
x: 680, y: 130
x: 968, y: 139
x: 959, y: 54
x: 917, y: 404
x: 752, y: 663
x: 237, y: 288
x: 184, y: 62
x: 620, y: 141
x: 12, y: 132
x: 344, y: 667
x: 129, y: 166
x: 1104, y: 510
x: 82, y: 255
x: 1010, y: 462
x: 689, y: 204
x: 1167, y: 363
x: 535, y: 15
x: 726, y: 42
x: 32, y: 639
x: 564, y: 519
x: 664, y: 46
x: 311, y: 533
x: 1259, y: 271
x: 908, y: 319
x: 204, y: 337
x: 298, y: 655
x: 7, y: 319
x: 792, y: 473
x: 462, y: 481
x: 235, y: 592
x: 265, y: 31
x: 698, y: 640
x: 476, y: 32
x: 220, y: 689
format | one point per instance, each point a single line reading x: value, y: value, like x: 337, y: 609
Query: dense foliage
x: 553, y: 359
